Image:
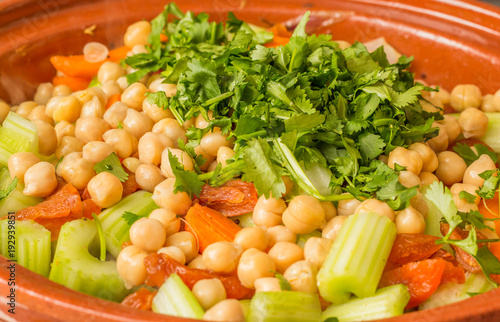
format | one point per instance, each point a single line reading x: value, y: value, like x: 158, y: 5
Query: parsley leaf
x: 185, y: 180
x: 488, y: 262
x: 469, y: 155
x: 442, y: 198
x: 470, y: 198
x: 112, y: 165
x: 284, y: 284
x: 130, y: 217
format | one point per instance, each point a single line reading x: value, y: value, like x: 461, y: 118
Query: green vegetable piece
x: 76, y: 268
x: 17, y: 135
x: 175, y: 298
x: 116, y: 227
x: 246, y: 308
x: 27, y: 242
x: 112, y: 165
x: 245, y: 220
x: 285, y: 307
x: 492, y: 135
x: 357, y: 258
x: 387, y: 302
x: 302, y: 238
x: 12, y: 198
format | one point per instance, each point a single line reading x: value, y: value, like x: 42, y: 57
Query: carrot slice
x: 280, y: 30
x: 118, y: 54
x: 210, y: 226
x: 113, y: 99
x: 89, y: 207
x: 75, y: 83
x: 75, y: 66
x: 410, y: 248
x: 277, y: 41
x: 160, y: 266
x: 141, y: 299
x: 233, y: 198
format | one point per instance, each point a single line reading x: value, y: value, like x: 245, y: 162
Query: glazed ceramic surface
x: 453, y: 42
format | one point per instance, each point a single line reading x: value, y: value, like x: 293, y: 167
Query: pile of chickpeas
x: 78, y: 128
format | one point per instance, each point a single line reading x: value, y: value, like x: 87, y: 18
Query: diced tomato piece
x: 130, y: 185
x: 489, y: 208
x: 234, y: 198
x: 89, y: 207
x: 411, y: 248
x: 160, y: 266
x: 452, y: 274
x: 141, y: 299
x: 422, y: 279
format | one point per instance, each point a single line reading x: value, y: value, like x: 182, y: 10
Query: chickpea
x: 137, y: 34
x: 332, y: 228
x: 172, y: 129
x: 68, y: 109
x: 409, y: 179
x: 183, y: 157
x: 141, y: 49
x: 302, y: 277
x: 148, y: 176
x: 19, y: 163
x: 267, y: 284
x: 316, y: 249
x: 67, y: 162
x: 431, y: 105
x: 52, y: 104
x: 131, y: 164
x: 343, y: 44
x: 427, y: 178
x: 197, y: 262
x: 165, y: 197
x: 130, y: 266
x: 105, y: 189
x: 124, y: 144
x: 25, y: 108
x: 137, y: 123
x: 463, y: 205
x: 496, y: 100
x: 473, y: 122
x: 40, y: 180
x: 229, y: 310
x: 148, y: 234
x: 90, y: 129
x: 288, y: 186
x: 64, y: 128
x: 38, y: 113
x: 96, y: 151
x: 376, y: 206
x: 471, y: 175
x: 252, y: 237
x: 209, y: 160
x: 418, y: 202
x: 151, y: 146
x: 93, y: 108
x: 159, y: 85
x: 330, y: 210
x: 443, y: 95
x: 209, y: 292
x: 61, y: 90
x: 111, y: 88
x: 173, y: 252
x: 429, y: 157
x: 451, y: 126
x: 285, y: 254
x: 69, y: 145
x: 134, y: 96
x: 43, y: 93
x: 115, y: 114
x: 168, y: 218
x: 303, y: 215
x: 154, y: 112
x: 451, y: 168
x: 268, y: 212
x: 278, y: 234
x: 411, y: 160
x: 186, y: 241
x: 110, y: 71
x: 47, y: 137
x: 201, y: 122
x: 488, y: 105
x: 440, y: 142
x: 347, y: 207
x: 470, y: 188
x: 222, y: 256
x: 410, y: 221
x: 253, y: 265
x: 223, y: 154
x: 211, y: 142
x: 464, y: 96
x: 122, y: 82
x: 4, y: 111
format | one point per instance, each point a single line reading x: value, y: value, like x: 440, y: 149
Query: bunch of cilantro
x: 308, y: 110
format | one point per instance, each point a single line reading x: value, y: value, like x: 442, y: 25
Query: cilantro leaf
x: 185, y: 180
x: 469, y: 155
x: 408, y: 97
x: 130, y: 217
x: 488, y: 262
x: 12, y: 185
x: 490, y: 184
x: 112, y: 165
x: 284, y: 284
x: 470, y: 198
x: 442, y: 199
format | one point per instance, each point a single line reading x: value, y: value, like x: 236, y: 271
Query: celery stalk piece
x: 451, y: 292
x: 285, y: 307
x: 492, y: 135
x: 76, y: 268
x: 387, y: 302
x: 115, y: 227
x: 17, y: 135
x: 245, y: 220
x: 246, y: 308
x: 30, y: 244
x: 302, y: 238
x: 16, y: 201
x: 175, y: 298
x: 357, y: 257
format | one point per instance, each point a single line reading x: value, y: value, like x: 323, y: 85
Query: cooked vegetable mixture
x: 226, y: 172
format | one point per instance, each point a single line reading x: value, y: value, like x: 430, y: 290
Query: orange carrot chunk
x: 75, y: 83
x: 113, y: 99
x: 118, y: 54
x: 75, y: 66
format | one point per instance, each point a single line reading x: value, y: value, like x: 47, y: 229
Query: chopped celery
x: 302, y: 239
x: 30, y: 244
x: 357, y: 257
x: 175, y: 298
x: 17, y: 135
x: 245, y: 220
x: 115, y: 227
x: 16, y: 201
x: 387, y: 302
x: 450, y: 292
x: 285, y: 306
x: 76, y: 268
x: 246, y: 308
x: 492, y: 136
